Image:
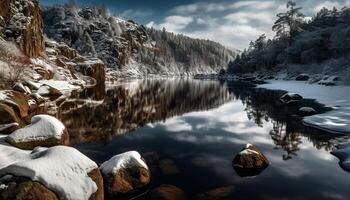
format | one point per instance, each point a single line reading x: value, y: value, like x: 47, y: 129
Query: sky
x: 233, y: 23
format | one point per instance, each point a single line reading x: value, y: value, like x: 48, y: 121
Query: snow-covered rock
x: 329, y: 80
x: 290, y: 97
x: 125, y: 173
x: 44, y: 130
x: 63, y: 170
x: 304, y: 111
x: 250, y: 161
x: 21, y: 88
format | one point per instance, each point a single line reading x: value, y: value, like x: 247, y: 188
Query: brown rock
x: 19, y: 188
x: 94, y: 68
x: 167, y: 192
x: 96, y: 176
x: 18, y: 101
x: 7, y: 115
x: 127, y: 180
x: 45, y: 74
x: 250, y: 161
x: 67, y: 52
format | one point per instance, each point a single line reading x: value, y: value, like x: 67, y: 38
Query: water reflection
x: 131, y: 105
x: 287, y: 132
x: 189, y: 131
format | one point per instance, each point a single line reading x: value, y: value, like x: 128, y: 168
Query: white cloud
x: 131, y: 13
x: 173, y: 23
x: 236, y: 23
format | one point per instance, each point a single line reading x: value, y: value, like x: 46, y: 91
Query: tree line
x: 298, y: 41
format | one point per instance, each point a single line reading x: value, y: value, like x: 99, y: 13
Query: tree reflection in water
x: 128, y: 106
x: 288, y: 130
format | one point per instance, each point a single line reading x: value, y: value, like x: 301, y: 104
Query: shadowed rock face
x: 22, y: 23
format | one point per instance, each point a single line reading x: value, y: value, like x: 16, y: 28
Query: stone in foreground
x: 44, y: 130
x: 125, y: 173
x: 167, y: 192
x: 62, y: 170
x: 250, y: 161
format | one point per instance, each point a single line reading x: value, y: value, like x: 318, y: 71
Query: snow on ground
x: 337, y: 97
x: 122, y: 161
x: 41, y: 128
x: 62, y: 169
x: 62, y: 86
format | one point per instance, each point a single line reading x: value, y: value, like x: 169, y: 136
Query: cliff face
x: 21, y: 22
x: 131, y: 49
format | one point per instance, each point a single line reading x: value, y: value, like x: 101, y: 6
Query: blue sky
x: 234, y: 23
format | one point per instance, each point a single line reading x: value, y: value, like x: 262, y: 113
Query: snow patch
x: 248, y: 152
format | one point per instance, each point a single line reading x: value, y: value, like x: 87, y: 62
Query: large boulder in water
x: 125, y: 173
x: 290, y: 98
x: 44, y: 130
x: 250, y: 161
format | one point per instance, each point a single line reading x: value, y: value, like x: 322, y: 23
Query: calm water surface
x: 189, y: 131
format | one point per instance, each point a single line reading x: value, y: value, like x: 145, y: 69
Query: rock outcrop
x: 22, y: 23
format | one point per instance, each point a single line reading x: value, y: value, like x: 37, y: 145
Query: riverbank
x: 336, y: 97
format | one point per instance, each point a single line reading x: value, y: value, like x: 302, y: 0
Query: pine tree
x: 289, y: 24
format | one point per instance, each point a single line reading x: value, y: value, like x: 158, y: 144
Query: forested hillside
x: 319, y: 45
x: 131, y: 49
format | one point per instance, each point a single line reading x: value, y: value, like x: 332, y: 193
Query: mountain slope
x: 131, y: 49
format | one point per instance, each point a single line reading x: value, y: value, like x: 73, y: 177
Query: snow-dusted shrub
x: 12, y: 64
